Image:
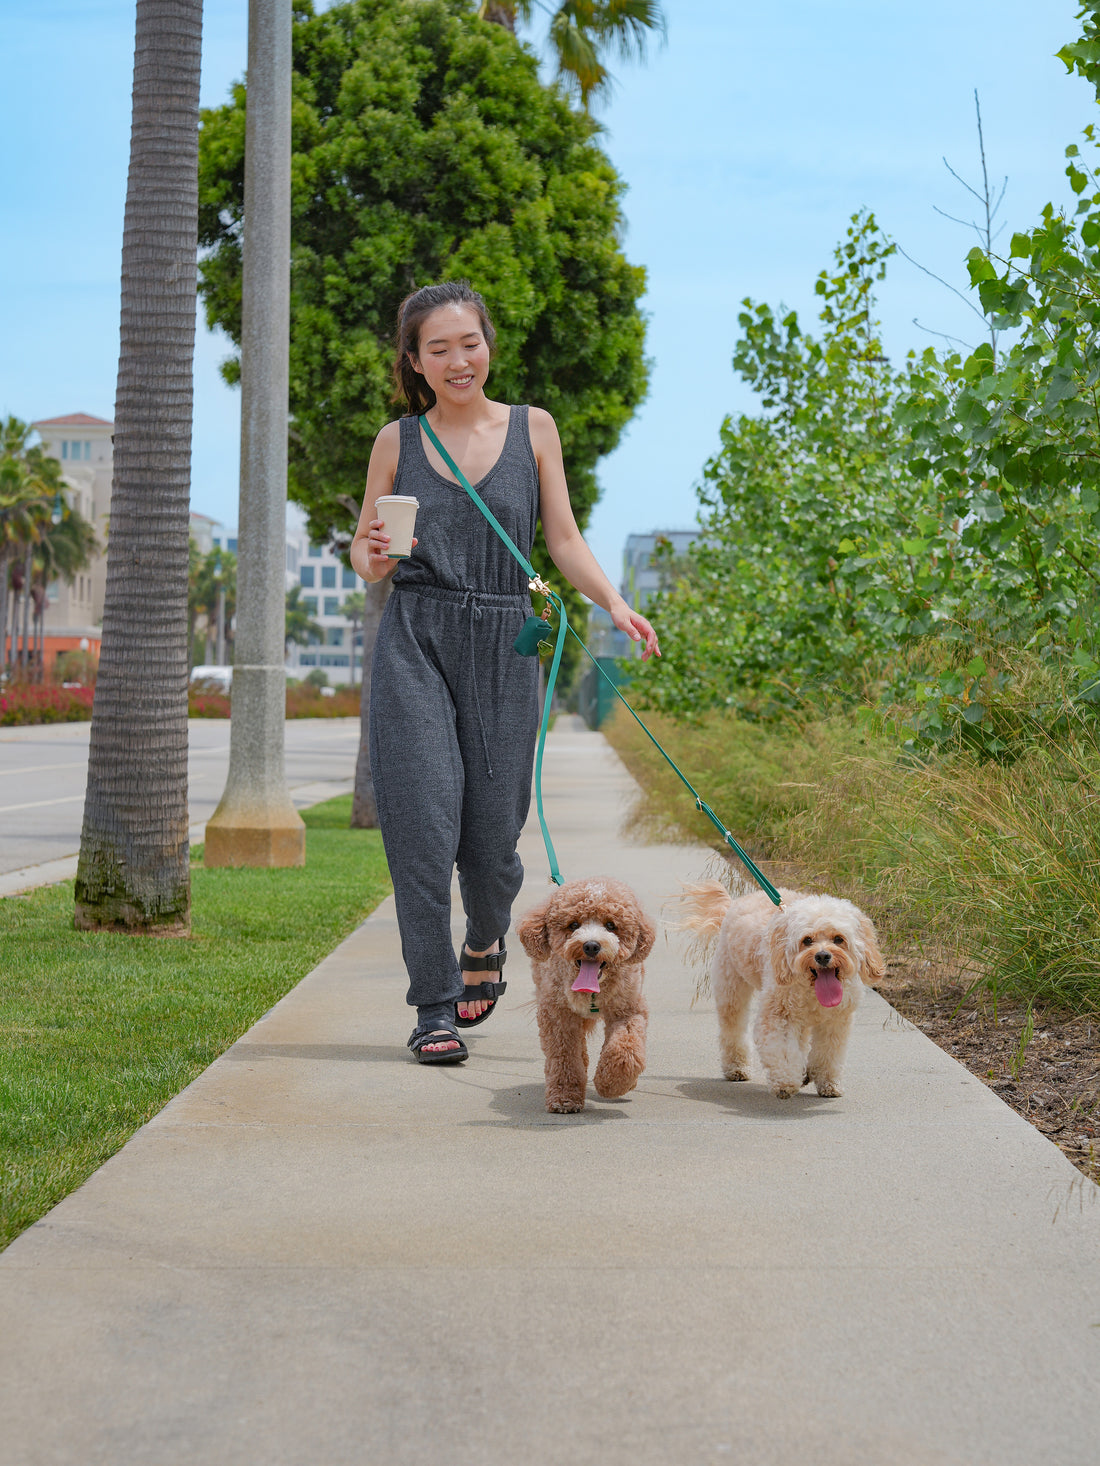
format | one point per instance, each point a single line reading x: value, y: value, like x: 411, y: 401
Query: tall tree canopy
x: 426, y: 148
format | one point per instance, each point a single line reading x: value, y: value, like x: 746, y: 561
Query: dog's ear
x: 874, y: 968
x: 782, y: 971
x: 533, y: 934
x: 646, y: 936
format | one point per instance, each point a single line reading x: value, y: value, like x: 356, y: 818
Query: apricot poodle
x: 808, y: 960
x: 587, y: 943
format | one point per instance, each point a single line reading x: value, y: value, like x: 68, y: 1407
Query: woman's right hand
x: 379, y: 564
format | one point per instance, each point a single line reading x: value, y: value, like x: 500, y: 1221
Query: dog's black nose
x: 823, y: 959
x: 591, y: 949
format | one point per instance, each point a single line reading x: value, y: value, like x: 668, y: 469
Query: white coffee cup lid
x: 398, y: 499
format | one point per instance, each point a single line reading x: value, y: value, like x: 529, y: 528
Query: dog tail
x: 702, y: 909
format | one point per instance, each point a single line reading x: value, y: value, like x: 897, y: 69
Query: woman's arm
x: 565, y: 542
x: 371, y: 542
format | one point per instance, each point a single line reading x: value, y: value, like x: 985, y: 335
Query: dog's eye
x: 574, y: 926
x: 838, y: 941
x: 609, y: 926
x: 807, y: 941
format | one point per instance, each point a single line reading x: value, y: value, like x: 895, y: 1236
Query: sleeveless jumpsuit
x: 454, y: 711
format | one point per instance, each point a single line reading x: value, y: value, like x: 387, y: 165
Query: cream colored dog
x: 807, y: 959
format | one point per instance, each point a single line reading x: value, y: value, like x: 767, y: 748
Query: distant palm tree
x: 582, y: 32
x: 65, y: 547
x: 134, y: 871
x: 30, y: 487
x: 301, y: 628
x: 355, y: 609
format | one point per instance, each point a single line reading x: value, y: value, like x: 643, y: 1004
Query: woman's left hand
x: 638, y: 629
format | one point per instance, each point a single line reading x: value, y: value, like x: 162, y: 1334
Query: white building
x: 326, y: 582
x: 641, y: 578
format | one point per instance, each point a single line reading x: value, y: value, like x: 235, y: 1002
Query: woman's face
x: 454, y: 355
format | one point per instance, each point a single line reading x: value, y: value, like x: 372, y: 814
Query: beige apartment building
x: 82, y: 445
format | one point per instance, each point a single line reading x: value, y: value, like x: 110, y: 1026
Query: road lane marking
x: 41, y: 803
x: 42, y: 768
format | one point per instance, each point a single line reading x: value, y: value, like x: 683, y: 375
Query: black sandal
x: 485, y: 992
x: 438, y: 1031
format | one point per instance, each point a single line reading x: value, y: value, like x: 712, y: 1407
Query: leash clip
x: 538, y: 584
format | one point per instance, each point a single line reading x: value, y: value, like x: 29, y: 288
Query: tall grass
x: 997, y: 864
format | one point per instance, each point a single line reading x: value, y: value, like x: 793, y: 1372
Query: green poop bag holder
x: 538, y: 636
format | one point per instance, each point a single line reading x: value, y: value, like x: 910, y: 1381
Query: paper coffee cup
x: 398, y: 515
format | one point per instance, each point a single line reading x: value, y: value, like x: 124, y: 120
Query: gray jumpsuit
x: 454, y: 711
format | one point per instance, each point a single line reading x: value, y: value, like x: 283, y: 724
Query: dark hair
x: 411, y: 315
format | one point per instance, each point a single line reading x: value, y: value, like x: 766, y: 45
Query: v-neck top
x: 458, y: 548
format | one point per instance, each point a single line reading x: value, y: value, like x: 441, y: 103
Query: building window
x: 307, y: 659
x: 349, y: 580
x: 310, y: 603
x: 64, y: 448
x: 308, y: 576
x: 332, y: 605
x: 328, y: 577
x: 334, y: 635
x: 315, y: 551
x: 333, y: 660
x: 231, y: 544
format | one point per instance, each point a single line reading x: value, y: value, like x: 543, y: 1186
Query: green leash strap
x: 559, y: 644
x: 700, y: 803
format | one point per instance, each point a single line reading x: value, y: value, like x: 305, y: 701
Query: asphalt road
x: 43, y: 772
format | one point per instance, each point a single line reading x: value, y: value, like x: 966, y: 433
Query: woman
x: 454, y: 709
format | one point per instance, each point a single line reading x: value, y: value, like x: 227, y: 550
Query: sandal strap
x: 420, y: 1036
x: 482, y: 991
x: 491, y: 962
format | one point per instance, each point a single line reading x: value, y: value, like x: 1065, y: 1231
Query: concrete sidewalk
x: 323, y: 1253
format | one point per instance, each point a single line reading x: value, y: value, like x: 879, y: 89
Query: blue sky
x: 746, y: 142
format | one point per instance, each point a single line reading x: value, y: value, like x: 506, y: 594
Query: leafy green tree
x: 426, y: 148
x: 583, y: 32
x: 801, y: 574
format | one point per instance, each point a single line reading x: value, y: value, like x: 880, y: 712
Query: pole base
x: 255, y: 837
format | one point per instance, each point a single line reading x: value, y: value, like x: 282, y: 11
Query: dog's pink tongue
x: 827, y: 989
x: 588, y: 979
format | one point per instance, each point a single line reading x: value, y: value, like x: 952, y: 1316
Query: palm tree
x: 355, y: 609
x: 301, y: 628
x: 364, y: 807
x: 65, y: 547
x: 133, y: 873
x: 582, y: 32
x: 30, y: 485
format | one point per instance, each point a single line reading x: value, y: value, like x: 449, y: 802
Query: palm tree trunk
x: 28, y: 575
x: 364, y: 808
x: 4, y: 594
x: 133, y: 873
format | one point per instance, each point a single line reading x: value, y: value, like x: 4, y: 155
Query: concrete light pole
x: 256, y: 822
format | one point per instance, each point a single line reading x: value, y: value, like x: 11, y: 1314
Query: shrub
x: 27, y: 703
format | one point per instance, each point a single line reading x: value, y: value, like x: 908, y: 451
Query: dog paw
x: 828, y: 1088
x: 616, y: 1075
x: 785, y: 1091
x: 736, y: 1072
x: 564, y: 1106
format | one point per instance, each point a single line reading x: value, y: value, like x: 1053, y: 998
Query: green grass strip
x: 98, y: 1031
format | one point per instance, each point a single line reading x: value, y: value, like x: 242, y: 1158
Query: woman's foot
x: 432, y: 1045
x: 479, y: 1005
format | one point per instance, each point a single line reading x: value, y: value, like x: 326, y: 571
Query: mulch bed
x: 1053, y: 1079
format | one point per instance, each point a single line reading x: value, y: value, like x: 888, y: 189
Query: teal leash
x: 564, y: 628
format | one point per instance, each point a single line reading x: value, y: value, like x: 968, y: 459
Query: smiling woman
x: 453, y: 709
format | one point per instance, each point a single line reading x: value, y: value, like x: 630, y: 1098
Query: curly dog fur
x: 807, y: 959
x: 597, y: 923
